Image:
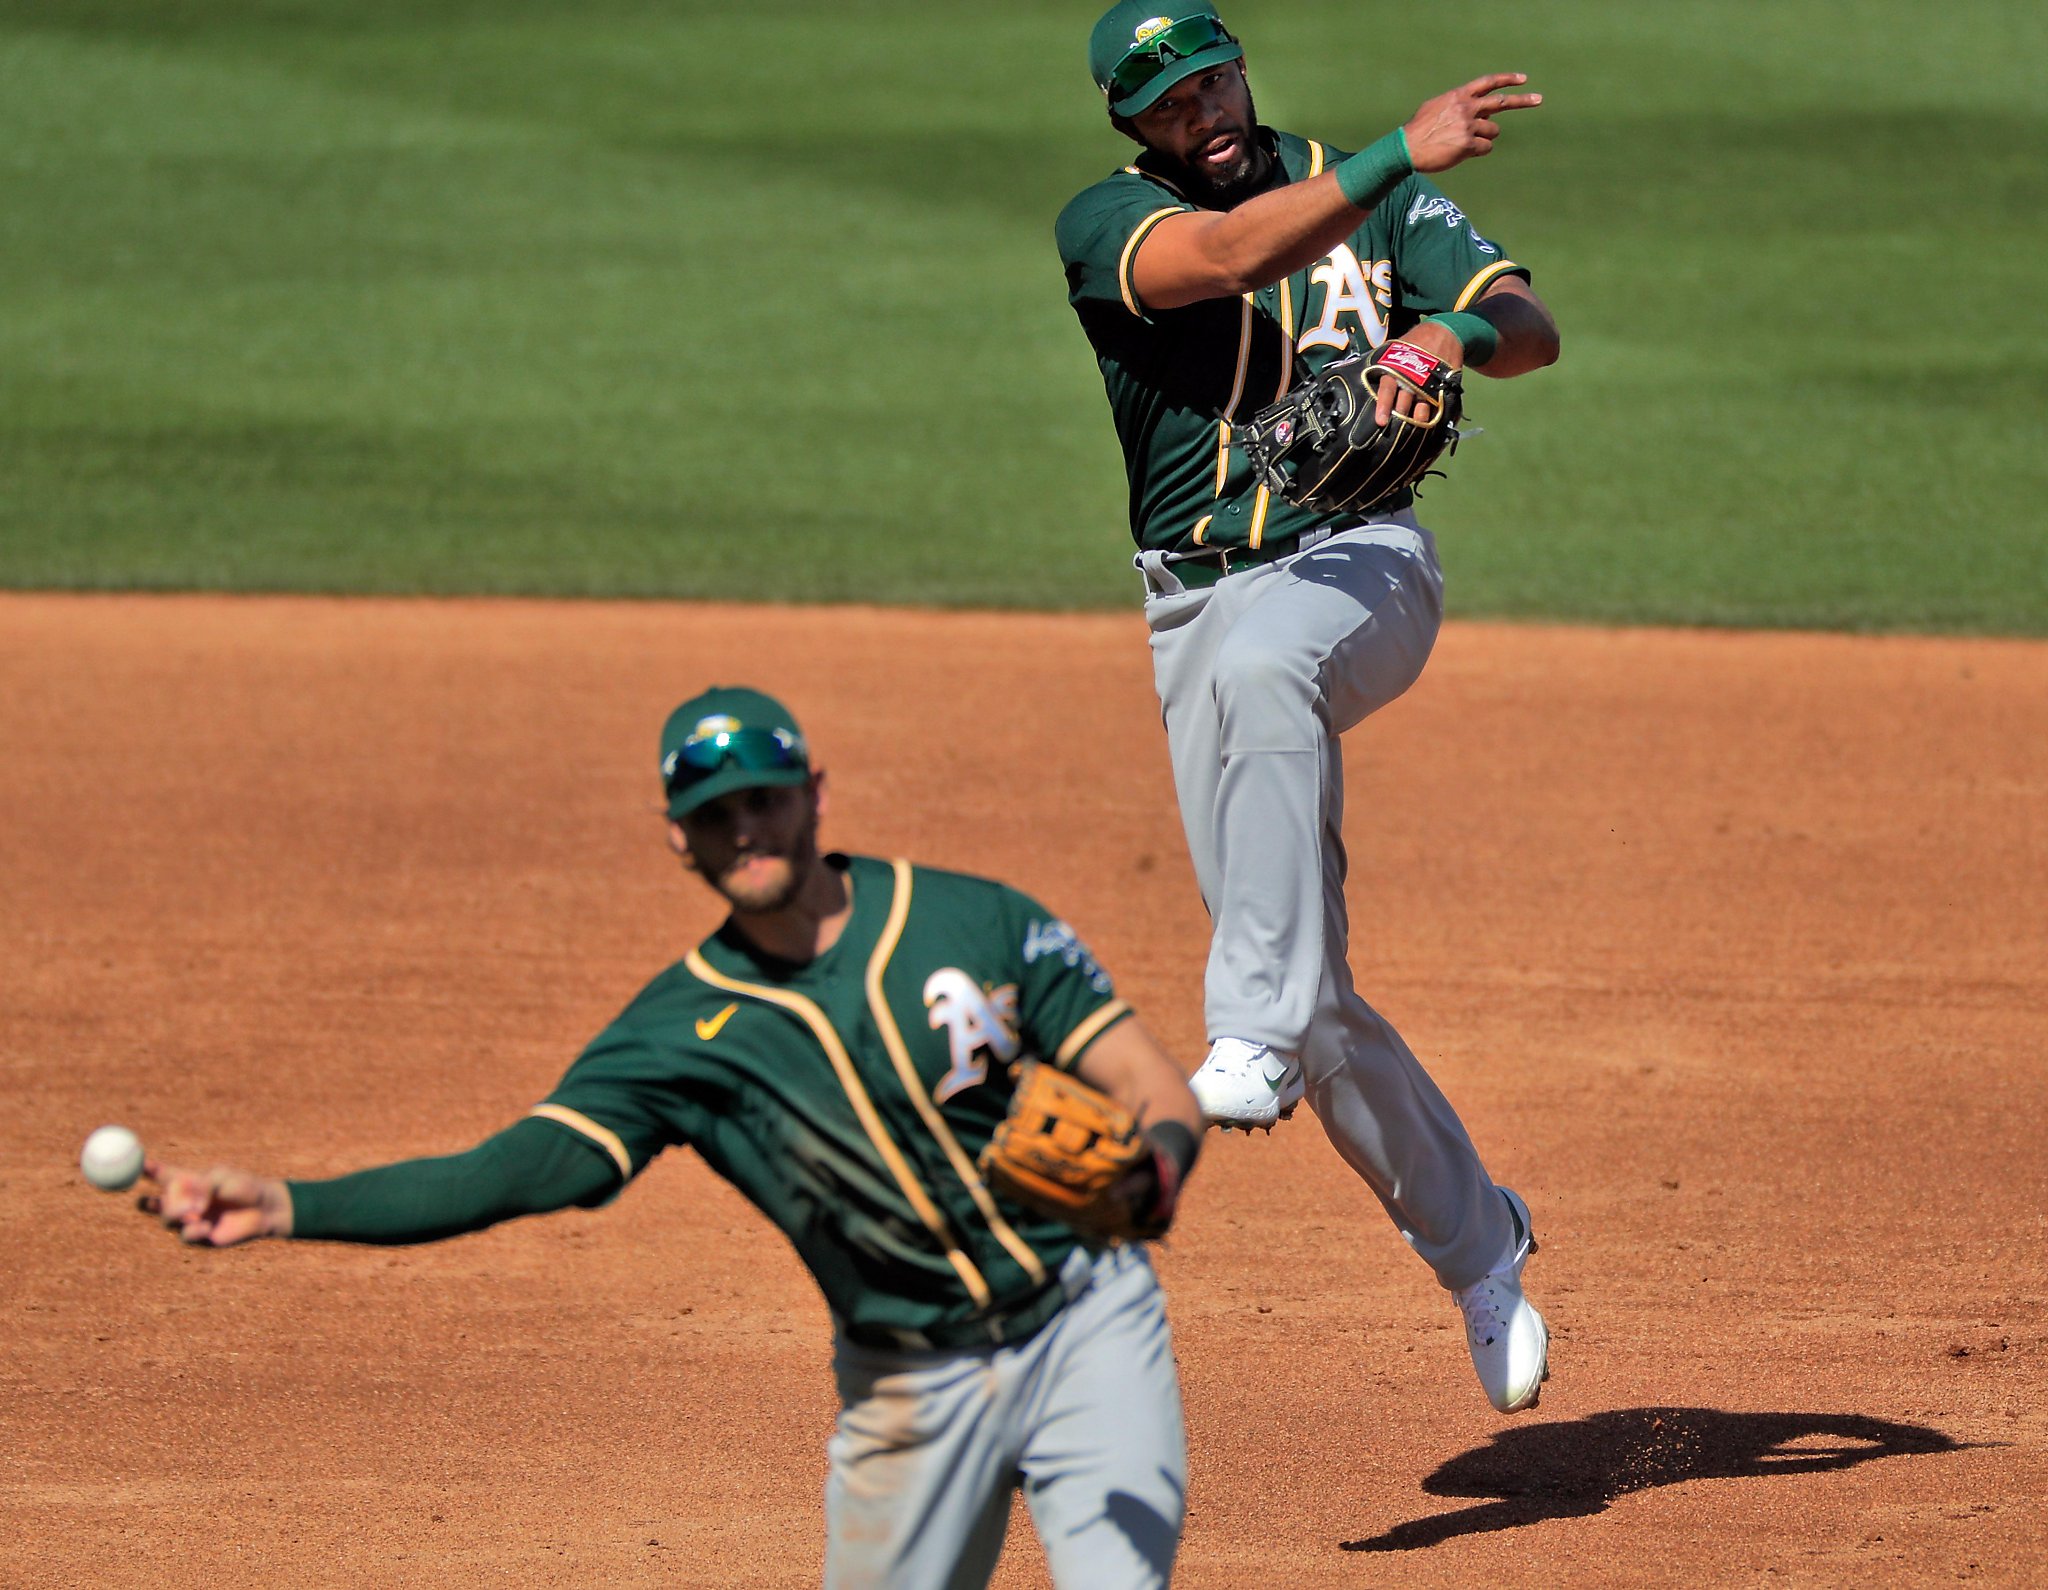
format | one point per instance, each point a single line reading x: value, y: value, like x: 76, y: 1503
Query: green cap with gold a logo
x: 729, y: 738
x: 1141, y: 48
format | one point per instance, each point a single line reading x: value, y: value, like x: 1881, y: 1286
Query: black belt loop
x: 1206, y: 565
x: 1210, y: 564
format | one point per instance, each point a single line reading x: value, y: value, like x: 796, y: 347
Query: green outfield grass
x: 664, y: 300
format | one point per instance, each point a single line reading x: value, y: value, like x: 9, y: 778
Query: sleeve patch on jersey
x: 1056, y: 938
x: 583, y: 1126
x: 1435, y: 207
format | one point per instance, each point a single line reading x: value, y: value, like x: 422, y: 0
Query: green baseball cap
x: 1138, y: 51
x: 729, y: 738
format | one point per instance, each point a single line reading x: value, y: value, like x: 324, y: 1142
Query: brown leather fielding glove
x: 1072, y: 1152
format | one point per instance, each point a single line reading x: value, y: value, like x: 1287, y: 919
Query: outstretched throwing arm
x: 1203, y: 254
x: 531, y: 1168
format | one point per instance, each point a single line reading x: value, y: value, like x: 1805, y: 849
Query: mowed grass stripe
x: 674, y: 301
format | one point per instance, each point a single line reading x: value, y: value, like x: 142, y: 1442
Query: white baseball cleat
x: 1245, y: 1085
x: 1509, y: 1341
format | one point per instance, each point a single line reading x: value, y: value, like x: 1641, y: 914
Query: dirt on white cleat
x: 1246, y: 1085
x: 1509, y: 1341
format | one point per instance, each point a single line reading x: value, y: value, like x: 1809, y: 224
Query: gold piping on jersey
x: 1263, y: 499
x: 1079, y: 1038
x: 1244, y: 357
x: 1244, y: 354
x: 1153, y: 176
x: 1201, y: 528
x: 1315, y: 158
x: 1139, y: 233
x: 864, y: 1107
x: 583, y: 1126
x: 1478, y: 284
x: 899, y: 1056
x: 1286, y: 336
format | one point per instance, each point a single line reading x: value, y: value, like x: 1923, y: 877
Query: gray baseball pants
x: 1085, y: 1417
x: 1257, y: 677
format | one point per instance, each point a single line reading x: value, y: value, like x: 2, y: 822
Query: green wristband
x: 1374, y: 172
x: 1474, y: 331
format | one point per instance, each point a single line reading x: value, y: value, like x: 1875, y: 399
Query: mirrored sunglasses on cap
x: 1147, y: 58
x: 756, y: 750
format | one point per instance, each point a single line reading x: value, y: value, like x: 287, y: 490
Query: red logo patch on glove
x: 1405, y: 358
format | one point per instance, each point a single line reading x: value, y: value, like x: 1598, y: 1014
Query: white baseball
x: 111, y: 1158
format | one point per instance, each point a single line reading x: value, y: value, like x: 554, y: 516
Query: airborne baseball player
x: 1225, y: 267
x: 893, y: 1063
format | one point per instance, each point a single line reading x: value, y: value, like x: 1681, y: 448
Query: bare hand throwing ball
x: 220, y: 1207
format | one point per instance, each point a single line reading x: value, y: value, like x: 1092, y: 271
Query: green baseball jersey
x: 849, y: 1097
x: 1178, y: 379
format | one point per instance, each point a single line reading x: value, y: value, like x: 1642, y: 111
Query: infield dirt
x: 1732, y: 950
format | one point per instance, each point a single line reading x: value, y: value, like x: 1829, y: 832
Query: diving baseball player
x: 1225, y: 264
x: 841, y: 1050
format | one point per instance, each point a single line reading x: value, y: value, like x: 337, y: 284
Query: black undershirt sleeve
x: 531, y: 1168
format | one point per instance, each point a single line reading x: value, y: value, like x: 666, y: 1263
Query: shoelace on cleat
x: 1482, y: 1311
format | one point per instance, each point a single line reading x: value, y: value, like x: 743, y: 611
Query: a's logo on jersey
x: 709, y: 1029
x: 1151, y: 28
x: 1056, y: 938
x: 1355, y: 294
x: 979, y: 1023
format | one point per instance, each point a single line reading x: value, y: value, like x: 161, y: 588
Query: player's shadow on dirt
x: 1541, y: 1471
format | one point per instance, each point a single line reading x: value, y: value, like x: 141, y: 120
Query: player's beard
x: 756, y: 884
x: 1236, y: 182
